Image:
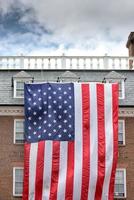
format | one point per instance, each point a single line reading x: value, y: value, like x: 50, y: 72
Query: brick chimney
x: 130, y: 46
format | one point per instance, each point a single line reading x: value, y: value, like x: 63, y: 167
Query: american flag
x: 71, y: 141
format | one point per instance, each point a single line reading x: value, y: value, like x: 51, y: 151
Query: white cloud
x: 88, y: 26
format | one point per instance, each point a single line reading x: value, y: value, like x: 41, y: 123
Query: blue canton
x: 49, y: 112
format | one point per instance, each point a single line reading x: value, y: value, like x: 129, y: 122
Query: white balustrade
x: 66, y: 62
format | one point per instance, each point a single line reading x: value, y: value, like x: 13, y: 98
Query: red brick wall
x: 11, y: 155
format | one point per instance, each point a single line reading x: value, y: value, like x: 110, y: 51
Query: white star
x: 49, y: 125
x: 44, y: 131
x: 54, y: 102
x: 70, y: 116
x: 34, y: 113
x: 54, y: 92
x: 69, y: 135
x: 69, y: 88
x: 34, y: 123
x: 39, y: 136
x: 65, y: 102
x: 60, y: 97
x: 65, y: 111
x: 49, y: 97
x: 29, y: 108
x: 70, y: 126
x: 49, y: 134
x: 34, y: 132
x: 54, y: 111
x: 49, y: 88
x: 45, y: 112
x: 70, y: 106
x: 49, y: 106
x: 65, y: 92
x: 65, y: 130
x: 54, y: 130
x: 29, y: 90
x: 49, y: 116
x: 29, y: 137
x: 40, y: 118
x: 65, y: 121
x: 29, y: 118
x: 59, y: 136
x: 39, y: 99
x: 44, y: 93
x: 39, y: 90
x: 54, y: 121
x: 39, y: 127
x: 59, y: 88
x: 29, y: 99
x: 29, y: 127
x: 59, y: 116
x: 60, y: 106
x: 60, y: 126
x: 70, y: 97
x: 45, y: 122
x: 34, y: 94
x: 40, y: 108
x: 34, y: 103
x: 45, y: 102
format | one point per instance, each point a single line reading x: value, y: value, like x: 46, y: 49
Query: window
x: 17, y: 181
x: 121, y: 132
x: 18, y: 131
x: 121, y: 89
x: 19, y: 88
x: 120, y: 183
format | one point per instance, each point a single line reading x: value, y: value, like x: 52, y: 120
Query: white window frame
x: 123, y: 122
x: 15, y: 84
x: 14, y: 140
x: 125, y: 189
x: 122, y: 89
x: 122, y: 86
x: 14, y: 194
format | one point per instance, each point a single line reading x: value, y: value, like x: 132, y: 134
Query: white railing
x: 66, y: 62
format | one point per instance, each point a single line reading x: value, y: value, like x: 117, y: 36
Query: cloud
x: 88, y: 26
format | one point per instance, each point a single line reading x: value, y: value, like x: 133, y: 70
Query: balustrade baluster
x: 42, y: 63
x: 84, y: 63
x: 49, y: 63
x: 35, y: 64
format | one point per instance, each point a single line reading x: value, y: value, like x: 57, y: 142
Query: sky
x: 73, y: 27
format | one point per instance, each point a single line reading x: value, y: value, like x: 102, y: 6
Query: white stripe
x: 78, y: 142
x: 62, y: 170
x: 93, y: 142
x: 47, y: 170
x: 109, y: 139
x: 32, y: 169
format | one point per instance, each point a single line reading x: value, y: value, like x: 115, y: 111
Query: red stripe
x: 55, y: 170
x: 115, y: 138
x: 70, y: 172
x: 39, y: 171
x: 101, y: 141
x: 86, y: 142
x: 26, y: 171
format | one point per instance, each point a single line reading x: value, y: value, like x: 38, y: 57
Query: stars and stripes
x: 79, y: 161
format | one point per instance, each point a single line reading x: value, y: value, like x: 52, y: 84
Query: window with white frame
x: 19, y: 88
x: 17, y: 181
x: 120, y: 184
x: 121, y: 86
x: 18, y: 131
x: 121, y: 89
x: 121, y: 132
